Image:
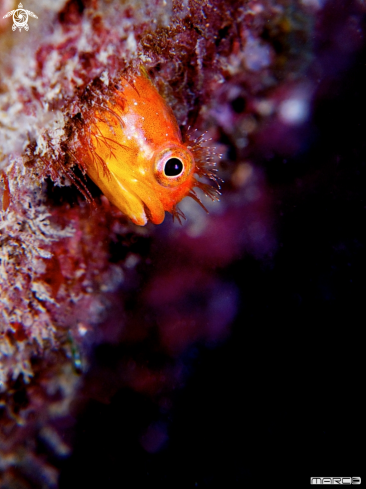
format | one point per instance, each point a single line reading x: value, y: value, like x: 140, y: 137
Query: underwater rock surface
x: 182, y: 355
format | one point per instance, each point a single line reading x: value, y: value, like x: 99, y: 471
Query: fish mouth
x: 137, y: 199
x: 130, y: 192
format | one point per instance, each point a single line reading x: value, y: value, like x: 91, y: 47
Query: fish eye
x: 173, y: 167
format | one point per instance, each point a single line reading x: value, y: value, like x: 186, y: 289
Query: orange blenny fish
x: 132, y: 148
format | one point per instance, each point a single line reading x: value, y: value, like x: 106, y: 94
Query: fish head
x: 136, y: 155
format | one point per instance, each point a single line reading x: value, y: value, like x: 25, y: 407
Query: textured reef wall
x: 91, y: 304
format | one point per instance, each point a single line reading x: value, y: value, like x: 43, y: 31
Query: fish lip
x: 145, y: 192
x: 143, y: 218
x: 134, y: 194
x: 150, y: 216
x: 137, y: 211
x: 146, y: 212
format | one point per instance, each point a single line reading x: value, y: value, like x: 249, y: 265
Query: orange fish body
x: 136, y: 155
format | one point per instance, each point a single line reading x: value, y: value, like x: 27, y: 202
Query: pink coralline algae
x: 75, y: 273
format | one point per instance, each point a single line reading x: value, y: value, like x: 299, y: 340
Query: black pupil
x: 173, y: 167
